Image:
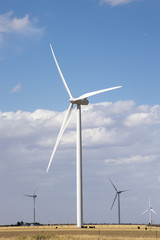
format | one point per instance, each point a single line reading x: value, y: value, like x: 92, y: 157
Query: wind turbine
x: 82, y: 100
x: 150, y: 210
x: 34, y: 203
x: 117, y: 194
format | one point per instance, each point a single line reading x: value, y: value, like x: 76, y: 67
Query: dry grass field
x: 65, y: 232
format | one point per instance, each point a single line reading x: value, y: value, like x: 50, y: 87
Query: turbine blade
x: 36, y: 190
x: 64, y: 125
x: 28, y: 195
x: 97, y: 92
x: 145, y: 211
x: 113, y: 185
x: 114, y: 201
x: 123, y: 191
x: 153, y: 211
x: 59, y: 70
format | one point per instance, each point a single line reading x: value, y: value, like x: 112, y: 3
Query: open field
x: 70, y: 232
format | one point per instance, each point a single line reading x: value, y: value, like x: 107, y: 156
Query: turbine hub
x: 83, y: 101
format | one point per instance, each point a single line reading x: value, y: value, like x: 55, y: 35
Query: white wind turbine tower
x: 82, y: 100
x: 150, y: 211
x: 117, y: 194
x: 34, y: 203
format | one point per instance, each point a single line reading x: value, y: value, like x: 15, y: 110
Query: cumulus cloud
x: 16, y: 88
x: 133, y: 159
x: 120, y: 140
x: 12, y: 24
x: 114, y: 3
x: 144, y: 115
x: 120, y: 124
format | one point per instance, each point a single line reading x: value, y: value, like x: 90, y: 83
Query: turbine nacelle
x: 78, y: 101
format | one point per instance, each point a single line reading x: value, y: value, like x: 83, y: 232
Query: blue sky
x: 98, y: 44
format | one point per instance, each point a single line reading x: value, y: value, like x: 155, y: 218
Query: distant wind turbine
x: 150, y: 210
x: 34, y: 203
x: 117, y: 194
x: 82, y: 100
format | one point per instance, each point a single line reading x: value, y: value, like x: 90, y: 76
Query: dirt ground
x: 90, y: 232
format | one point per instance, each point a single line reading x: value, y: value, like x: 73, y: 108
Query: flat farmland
x: 70, y: 232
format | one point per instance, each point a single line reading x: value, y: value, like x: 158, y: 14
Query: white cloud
x: 144, y: 115
x: 17, y: 88
x: 115, y: 124
x: 120, y: 140
x: 114, y: 3
x: 12, y: 24
x: 133, y: 159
